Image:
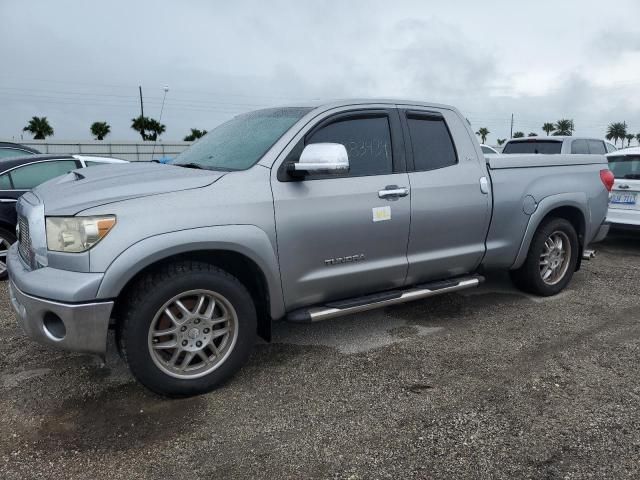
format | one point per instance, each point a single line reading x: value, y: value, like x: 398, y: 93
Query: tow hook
x: 588, y: 254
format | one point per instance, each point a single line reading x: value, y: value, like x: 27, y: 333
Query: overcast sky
x: 77, y: 62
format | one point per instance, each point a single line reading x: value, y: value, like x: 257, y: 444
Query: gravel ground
x: 486, y: 384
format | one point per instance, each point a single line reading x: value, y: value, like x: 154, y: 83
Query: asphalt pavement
x: 487, y: 383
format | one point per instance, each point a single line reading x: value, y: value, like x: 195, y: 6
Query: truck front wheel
x: 186, y: 328
x: 551, y: 260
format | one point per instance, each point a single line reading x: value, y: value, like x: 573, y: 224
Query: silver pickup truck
x: 297, y: 213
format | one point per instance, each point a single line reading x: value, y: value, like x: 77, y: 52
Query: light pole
x: 166, y: 89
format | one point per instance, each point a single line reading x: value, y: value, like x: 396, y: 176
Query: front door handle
x: 393, y: 191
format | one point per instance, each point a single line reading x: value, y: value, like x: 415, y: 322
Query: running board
x: 384, y: 299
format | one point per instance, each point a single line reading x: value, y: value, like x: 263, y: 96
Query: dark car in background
x: 10, y: 150
x: 19, y: 175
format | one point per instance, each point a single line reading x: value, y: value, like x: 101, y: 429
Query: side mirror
x: 322, y: 158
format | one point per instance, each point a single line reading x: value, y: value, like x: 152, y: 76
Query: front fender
x: 247, y: 240
x: 572, y: 199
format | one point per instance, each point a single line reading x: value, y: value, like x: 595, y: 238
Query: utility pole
x: 141, y: 113
x: 510, y: 136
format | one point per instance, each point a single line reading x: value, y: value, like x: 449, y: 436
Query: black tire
x: 528, y: 277
x: 7, y: 238
x: 150, y: 294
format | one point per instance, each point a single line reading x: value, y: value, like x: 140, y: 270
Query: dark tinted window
x: 5, y: 182
x: 30, y: 176
x: 431, y: 143
x: 533, y: 146
x: 367, y: 140
x: 579, y: 146
x: 13, y: 152
x: 627, y: 167
x: 596, y: 147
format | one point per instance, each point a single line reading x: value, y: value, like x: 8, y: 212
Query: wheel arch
x: 249, y: 257
x: 571, y: 207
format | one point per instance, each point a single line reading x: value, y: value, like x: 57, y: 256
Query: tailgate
x: 625, y: 194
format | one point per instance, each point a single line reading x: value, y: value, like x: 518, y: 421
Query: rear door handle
x: 625, y: 187
x: 393, y: 191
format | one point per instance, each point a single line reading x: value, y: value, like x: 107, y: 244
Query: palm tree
x: 532, y: 134
x: 194, y: 135
x: 100, y: 130
x: 548, y: 127
x: 617, y: 131
x: 502, y: 140
x: 564, y: 127
x: 630, y: 136
x: 483, y: 133
x: 638, y: 138
x: 39, y: 127
x: 518, y: 134
x: 143, y: 124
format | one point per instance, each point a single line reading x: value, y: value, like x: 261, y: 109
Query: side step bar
x: 378, y: 300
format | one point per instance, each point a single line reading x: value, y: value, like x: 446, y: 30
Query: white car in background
x: 624, y: 200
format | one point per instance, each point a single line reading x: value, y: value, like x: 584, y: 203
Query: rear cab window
x: 533, y: 146
x: 596, y: 147
x: 580, y: 147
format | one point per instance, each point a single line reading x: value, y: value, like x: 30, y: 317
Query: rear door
x: 450, y: 206
x: 342, y: 236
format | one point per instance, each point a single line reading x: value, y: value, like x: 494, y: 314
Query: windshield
x: 239, y: 143
x: 625, y: 167
x: 533, y: 146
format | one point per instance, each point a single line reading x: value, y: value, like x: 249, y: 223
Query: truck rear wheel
x: 186, y: 328
x: 551, y: 260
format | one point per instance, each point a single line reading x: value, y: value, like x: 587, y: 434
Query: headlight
x: 77, y: 234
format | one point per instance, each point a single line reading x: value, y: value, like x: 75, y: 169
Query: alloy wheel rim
x: 4, y: 250
x: 192, y: 334
x: 555, y: 258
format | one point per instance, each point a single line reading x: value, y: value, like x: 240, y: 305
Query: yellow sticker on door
x: 381, y: 214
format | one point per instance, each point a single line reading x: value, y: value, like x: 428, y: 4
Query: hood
x: 98, y: 185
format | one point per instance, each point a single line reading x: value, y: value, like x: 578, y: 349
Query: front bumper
x: 75, y: 327
x: 60, y: 307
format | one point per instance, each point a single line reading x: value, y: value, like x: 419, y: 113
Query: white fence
x: 132, y: 151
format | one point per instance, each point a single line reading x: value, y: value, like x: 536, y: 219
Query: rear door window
x: 431, y: 142
x: 534, y: 146
x: 579, y: 147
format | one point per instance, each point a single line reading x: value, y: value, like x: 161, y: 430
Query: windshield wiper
x: 190, y: 165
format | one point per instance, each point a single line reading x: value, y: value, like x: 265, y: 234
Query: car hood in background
x: 94, y: 186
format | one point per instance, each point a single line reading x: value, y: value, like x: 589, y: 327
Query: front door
x: 341, y: 236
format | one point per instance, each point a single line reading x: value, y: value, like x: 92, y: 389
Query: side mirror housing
x: 321, y: 158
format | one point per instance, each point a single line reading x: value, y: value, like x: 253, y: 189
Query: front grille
x: 24, y: 241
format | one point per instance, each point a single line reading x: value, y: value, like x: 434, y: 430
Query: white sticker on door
x: 381, y: 214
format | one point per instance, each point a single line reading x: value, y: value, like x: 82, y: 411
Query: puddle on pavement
x: 117, y: 419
